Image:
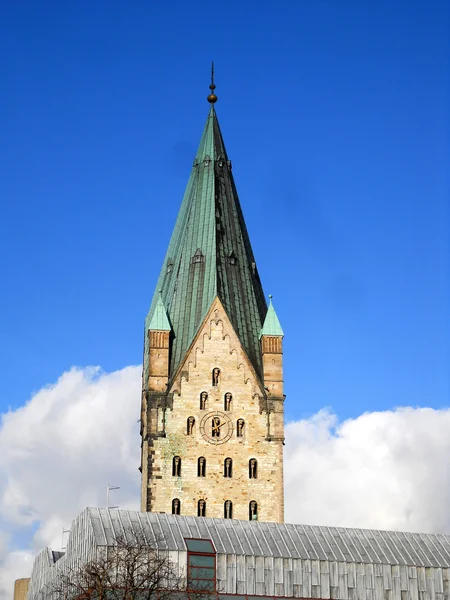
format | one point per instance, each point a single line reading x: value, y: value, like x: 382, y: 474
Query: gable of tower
x: 216, y: 340
x: 243, y: 469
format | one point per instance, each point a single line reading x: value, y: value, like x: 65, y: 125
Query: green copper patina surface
x: 271, y: 323
x: 210, y: 255
x: 159, y: 320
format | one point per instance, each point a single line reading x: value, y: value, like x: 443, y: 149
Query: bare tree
x: 129, y: 569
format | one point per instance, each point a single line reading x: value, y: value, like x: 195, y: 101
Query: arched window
x: 228, y: 509
x: 203, y: 400
x: 176, y: 466
x: 215, y: 376
x: 201, y: 508
x: 201, y: 467
x: 228, y: 467
x: 215, y: 427
x: 227, y: 401
x: 253, y: 511
x: 252, y: 468
x: 176, y: 506
x: 240, y: 423
x: 190, y: 426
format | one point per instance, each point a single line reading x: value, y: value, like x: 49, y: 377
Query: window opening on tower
x: 215, y: 377
x: 176, y: 506
x: 201, y: 508
x: 228, y: 467
x: 201, y: 467
x: 203, y: 400
x: 253, y: 511
x: 252, y: 468
x: 227, y: 400
x: 190, y: 426
x: 176, y: 466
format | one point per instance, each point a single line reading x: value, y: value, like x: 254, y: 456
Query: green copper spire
x: 271, y: 323
x: 210, y: 255
x: 159, y: 320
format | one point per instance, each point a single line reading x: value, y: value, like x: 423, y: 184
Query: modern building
x: 261, y: 561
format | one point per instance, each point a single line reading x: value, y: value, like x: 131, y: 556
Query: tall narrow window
x: 253, y: 511
x: 201, y: 467
x: 227, y: 401
x: 201, y: 575
x: 190, y: 426
x: 228, y: 467
x: 203, y: 400
x: 228, y: 509
x: 240, y: 423
x: 176, y: 466
x: 216, y: 376
x: 201, y: 508
x: 176, y: 506
x: 215, y: 427
x: 252, y: 468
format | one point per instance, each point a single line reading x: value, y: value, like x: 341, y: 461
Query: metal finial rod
x: 212, y: 98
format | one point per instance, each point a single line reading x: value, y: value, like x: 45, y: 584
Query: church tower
x: 212, y: 417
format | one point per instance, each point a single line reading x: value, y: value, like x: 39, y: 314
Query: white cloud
x: 57, y: 453
x: 385, y: 470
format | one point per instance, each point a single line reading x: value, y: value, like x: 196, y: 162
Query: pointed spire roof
x: 271, y: 323
x: 210, y: 255
x: 159, y: 320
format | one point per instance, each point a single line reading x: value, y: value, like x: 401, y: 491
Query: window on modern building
x: 228, y: 467
x: 252, y: 468
x: 253, y: 511
x: 215, y: 427
x: 228, y: 509
x: 240, y: 424
x: 201, y: 566
x: 176, y: 466
x: 227, y: 399
x: 201, y: 508
x: 190, y: 426
x: 201, y: 467
x: 203, y: 400
x: 176, y: 506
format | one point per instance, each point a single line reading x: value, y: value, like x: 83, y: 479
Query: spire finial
x: 212, y: 98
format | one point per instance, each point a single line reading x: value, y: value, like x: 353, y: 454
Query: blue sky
x: 335, y: 115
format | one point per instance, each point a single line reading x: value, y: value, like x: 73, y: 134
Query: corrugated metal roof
x: 280, y: 541
x: 210, y: 255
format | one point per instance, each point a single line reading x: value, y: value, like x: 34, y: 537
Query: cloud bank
x: 387, y: 470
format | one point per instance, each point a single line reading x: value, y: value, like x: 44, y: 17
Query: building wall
x: 216, y: 346
x: 21, y: 588
x: 269, y: 576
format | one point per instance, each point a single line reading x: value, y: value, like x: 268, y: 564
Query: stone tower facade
x: 212, y: 416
